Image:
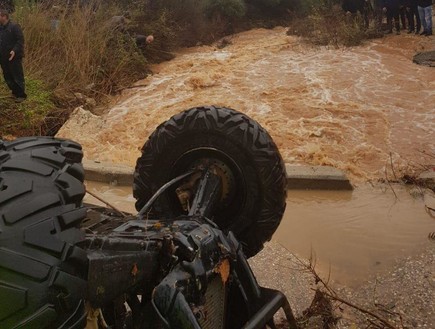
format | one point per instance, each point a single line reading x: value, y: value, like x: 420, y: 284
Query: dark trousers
x: 414, y: 23
x: 14, y: 76
x: 393, y: 13
x: 402, y: 12
x: 379, y: 15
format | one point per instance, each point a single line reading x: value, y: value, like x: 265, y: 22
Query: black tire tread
x: 41, y: 269
x: 241, y: 131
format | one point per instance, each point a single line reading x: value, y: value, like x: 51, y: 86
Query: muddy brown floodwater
x: 349, y: 108
x: 355, y: 235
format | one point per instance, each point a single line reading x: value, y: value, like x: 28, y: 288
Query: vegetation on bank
x: 76, y: 56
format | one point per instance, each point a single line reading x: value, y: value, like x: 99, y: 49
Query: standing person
x: 391, y: 8
x: 414, y: 23
x: 11, y: 55
x: 379, y: 14
x: 425, y: 12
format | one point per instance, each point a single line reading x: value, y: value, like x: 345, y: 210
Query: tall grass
x: 83, y: 53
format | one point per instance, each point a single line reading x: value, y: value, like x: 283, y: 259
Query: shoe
x: 20, y: 99
x: 410, y: 31
x: 417, y: 32
x: 397, y: 32
x: 423, y: 33
x: 389, y: 32
x: 429, y: 33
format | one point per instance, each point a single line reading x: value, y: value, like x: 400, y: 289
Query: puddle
x: 356, y: 235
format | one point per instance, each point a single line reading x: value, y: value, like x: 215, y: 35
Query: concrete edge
x: 298, y: 177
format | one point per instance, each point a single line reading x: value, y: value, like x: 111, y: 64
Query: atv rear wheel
x: 42, y: 272
x: 241, y: 152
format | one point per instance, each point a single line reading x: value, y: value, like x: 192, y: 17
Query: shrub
x: 327, y: 24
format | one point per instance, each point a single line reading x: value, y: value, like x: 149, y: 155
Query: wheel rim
x: 233, y: 182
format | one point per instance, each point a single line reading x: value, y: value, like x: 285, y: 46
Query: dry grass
x: 328, y: 25
x: 83, y: 54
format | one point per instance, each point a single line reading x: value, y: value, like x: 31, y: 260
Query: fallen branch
x: 310, y: 267
x: 360, y: 309
x: 107, y: 203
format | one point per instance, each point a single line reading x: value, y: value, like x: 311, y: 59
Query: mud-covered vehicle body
x: 210, y: 190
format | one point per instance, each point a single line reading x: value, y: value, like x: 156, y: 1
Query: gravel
x: 405, y: 295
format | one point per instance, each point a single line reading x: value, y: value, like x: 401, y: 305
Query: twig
x: 107, y: 203
x: 392, y: 167
x: 341, y: 300
x: 311, y: 269
x: 389, y: 184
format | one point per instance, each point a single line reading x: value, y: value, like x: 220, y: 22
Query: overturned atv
x: 210, y: 190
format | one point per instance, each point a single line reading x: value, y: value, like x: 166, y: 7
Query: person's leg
x: 7, y: 75
x: 428, y: 17
x: 402, y: 12
x: 17, y: 72
x: 379, y: 15
x: 389, y: 20
x: 396, y: 14
x: 417, y: 18
x: 411, y: 23
x: 421, y: 13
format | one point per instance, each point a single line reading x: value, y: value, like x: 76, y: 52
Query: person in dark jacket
x: 11, y: 55
x: 425, y: 12
x: 414, y: 23
x: 391, y: 8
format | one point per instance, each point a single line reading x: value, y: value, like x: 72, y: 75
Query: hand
x: 149, y: 39
x: 12, y: 53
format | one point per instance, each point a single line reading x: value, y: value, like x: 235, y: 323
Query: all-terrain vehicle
x: 210, y: 188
